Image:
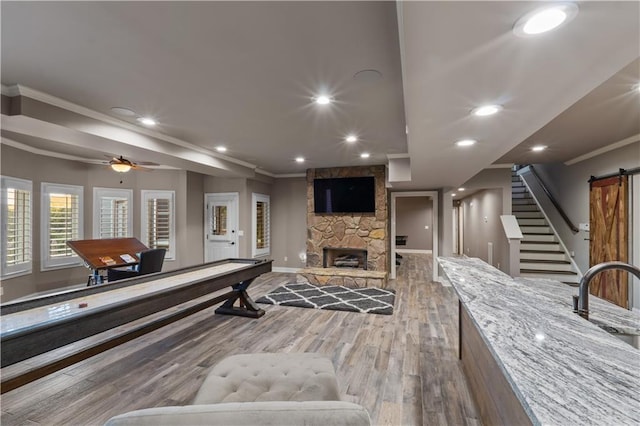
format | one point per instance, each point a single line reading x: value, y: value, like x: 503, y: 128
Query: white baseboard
x: 283, y: 269
x: 413, y: 251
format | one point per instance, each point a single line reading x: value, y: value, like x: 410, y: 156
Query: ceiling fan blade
x: 146, y: 163
x: 144, y: 169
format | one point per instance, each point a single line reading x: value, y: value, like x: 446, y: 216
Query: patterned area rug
x: 337, y: 298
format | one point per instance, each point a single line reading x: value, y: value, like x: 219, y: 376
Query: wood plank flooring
x: 403, y: 368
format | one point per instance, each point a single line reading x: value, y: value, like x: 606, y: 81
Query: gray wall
x: 38, y: 169
x: 289, y: 222
x: 569, y: 186
x: 412, y: 215
x: 481, y: 225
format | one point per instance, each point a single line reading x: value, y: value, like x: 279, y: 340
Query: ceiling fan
x: 123, y: 165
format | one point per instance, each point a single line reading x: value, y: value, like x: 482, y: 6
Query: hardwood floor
x: 403, y: 367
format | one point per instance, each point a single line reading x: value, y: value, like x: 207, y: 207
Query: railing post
x: 514, y: 235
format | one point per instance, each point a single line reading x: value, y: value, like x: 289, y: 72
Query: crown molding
x: 38, y: 151
x: 600, y: 151
x: 28, y: 148
x: 20, y: 90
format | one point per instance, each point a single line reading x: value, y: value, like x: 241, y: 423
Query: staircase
x: 541, y: 255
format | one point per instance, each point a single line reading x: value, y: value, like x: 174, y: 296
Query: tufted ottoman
x: 261, y: 389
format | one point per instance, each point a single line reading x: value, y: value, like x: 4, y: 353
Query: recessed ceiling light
x: 636, y: 88
x: 485, y: 110
x: 323, y: 100
x: 221, y: 149
x: 545, y: 19
x: 466, y: 142
x: 123, y: 112
x: 461, y: 189
x: 453, y: 195
x: 365, y: 155
x: 300, y: 159
x: 147, y: 121
x: 351, y: 138
x: 538, y: 148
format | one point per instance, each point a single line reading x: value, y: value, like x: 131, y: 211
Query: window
x: 158, y: 223
x: 260, y: 225
x: 112, y: 213
x: 16, y: 226
x: 62, y: 210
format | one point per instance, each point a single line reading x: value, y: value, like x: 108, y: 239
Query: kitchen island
x: 529, y: 359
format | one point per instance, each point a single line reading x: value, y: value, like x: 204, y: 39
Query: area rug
x: 337, y: 298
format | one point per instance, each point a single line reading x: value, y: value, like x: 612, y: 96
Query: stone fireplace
x: 352, y: 234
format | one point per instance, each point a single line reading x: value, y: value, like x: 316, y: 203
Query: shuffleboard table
x: 36, y: 326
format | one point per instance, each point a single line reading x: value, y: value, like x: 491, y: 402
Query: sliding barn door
x: 608, y: 223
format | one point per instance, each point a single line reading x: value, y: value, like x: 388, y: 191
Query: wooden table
x: 96, y: 252
x: 35, y: 326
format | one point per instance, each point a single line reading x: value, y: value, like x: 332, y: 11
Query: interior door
x: 608, y: 233
x: 221, y: 226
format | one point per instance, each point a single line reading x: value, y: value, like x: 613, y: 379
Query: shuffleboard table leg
x: 247, y: 308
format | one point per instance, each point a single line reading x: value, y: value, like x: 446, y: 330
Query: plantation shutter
x: 159, y: 223
x: 18, y: 227
x: 64, y: 223
x: 261, y: 225
x: 114, y: 214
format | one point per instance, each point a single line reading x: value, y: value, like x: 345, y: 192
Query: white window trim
x: 99, y: 193
x: 145, y: 195
x: 23, y: 268
x: 255, y: 198
x: 48, y: 263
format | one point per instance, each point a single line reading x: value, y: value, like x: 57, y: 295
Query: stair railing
x: 573, y: 228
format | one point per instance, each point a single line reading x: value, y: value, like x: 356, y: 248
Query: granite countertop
x: 564, y: 369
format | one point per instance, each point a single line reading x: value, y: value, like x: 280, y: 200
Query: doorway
x: 221, y: 226
x: 433, y: 195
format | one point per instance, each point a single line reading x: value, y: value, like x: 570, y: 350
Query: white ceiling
x: 243, y: 74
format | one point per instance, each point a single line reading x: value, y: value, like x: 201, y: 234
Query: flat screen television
x: 344, y: 195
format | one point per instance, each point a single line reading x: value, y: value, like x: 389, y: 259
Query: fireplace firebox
x: 339, y: 257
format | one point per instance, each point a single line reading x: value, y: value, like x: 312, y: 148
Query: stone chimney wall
x: 357, y: 230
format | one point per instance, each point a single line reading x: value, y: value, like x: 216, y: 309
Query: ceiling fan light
x: 121, y: 167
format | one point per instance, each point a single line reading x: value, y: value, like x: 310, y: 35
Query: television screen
x: 345, y: 195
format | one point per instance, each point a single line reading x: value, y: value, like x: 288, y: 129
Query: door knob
x: 232, y: 242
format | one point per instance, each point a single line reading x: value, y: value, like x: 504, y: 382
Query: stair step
x: 565, y: 277
x: 536, y: 230
x: 539, y: 246
x: 519, y: 195
x: 546, y: 265
x: 527, y: 255
x: 518, y: 188
x: 524, y: 208
x: 522, y: 201
x: 536, y: 221
x: 528, y: 215
x: 548, y: 238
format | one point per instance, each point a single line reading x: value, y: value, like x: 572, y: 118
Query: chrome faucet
x: 582, y: 305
